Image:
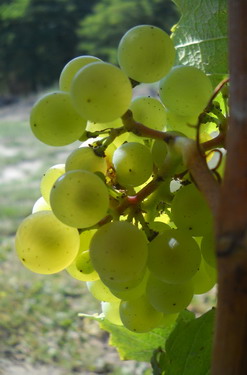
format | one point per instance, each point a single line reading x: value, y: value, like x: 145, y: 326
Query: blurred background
x: 40, y: 332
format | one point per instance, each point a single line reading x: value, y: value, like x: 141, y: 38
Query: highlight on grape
x: 110, y: 215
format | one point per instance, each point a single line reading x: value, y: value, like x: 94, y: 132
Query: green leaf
x: 188, y: 349
x: 200, y: 37
x: 137, y: 346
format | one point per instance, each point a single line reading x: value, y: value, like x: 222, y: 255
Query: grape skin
x: 79, y: 198
x: 44, y: 244
x: 101, y: 92
x: 146, y: 53
x: 54, y: 120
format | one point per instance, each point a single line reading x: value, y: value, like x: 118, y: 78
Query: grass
x: 39, y: 323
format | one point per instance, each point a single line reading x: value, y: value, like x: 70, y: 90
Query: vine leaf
x: 138, y: 346
x: 189, y: 347
x: 200, y: 37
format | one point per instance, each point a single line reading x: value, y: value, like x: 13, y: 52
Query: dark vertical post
x: 230, y: 346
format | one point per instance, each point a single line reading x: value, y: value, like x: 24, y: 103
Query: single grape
x: 174, y: 256
x: 40, y: 205
x: 208, y: 249
x: 111, y: 312
x: 44, y: 244
x: 71, y: 68
x: 190, y: 211
x: 185, y: 90
x: 81, y: 268
x: 139, y: 315
x: 49, y: 178
x: 169, y: 298
x: 204, y: 279
x: 86, y: 159
x: 54, y: 120
x: 134, y: 292
x: 149, y: 112
x: 146, y: 53
x: 100, y: 291
x: 133, y: 164
x: 159, y: 152
x: 79, y: 198
x: 119, y: 252
x: 101, y: 92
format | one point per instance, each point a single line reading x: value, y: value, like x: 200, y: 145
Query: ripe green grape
x: 55, y: 121
x: 159, y: 152
x: 123, y: 286
x: 139, y: 315
x: 208, y: 249
x: 81, y: 268
x: 101, y: 92
x: 134, y: 292
x: 133, y: 164
x: 190, y: 211
x: 71, y: 68
x: 169, y: 298
x: 100, y: 291
x: 79, y: 198
x: 111, y: 312
x: 49, y: 178
x: 146, y: 53
x: 86, y: 159
x: 185, y: 90
x: 149, y: 112
x: 40, y: 205
x: 119, y: 252
x: 44, y: 244
x: 174, y: 256
x: 204, y: 279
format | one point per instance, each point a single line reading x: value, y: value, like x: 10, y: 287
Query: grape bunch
x: 123, y: 214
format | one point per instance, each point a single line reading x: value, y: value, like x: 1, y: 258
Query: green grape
x: 184, y: 124
x: 99, y: 126
x: 208, y: 249
x: 83, y: 263
x: 146, y: 53
x: 168, y: 319
x: 204, y: 279
x: 159, y: 152
x: 134, y: 292
x: 139, y: 315
x: 185, y: 90
x: 49, y: 178
x: 40, y: 205
x: 189, y: 211
x: 73, y: 270
x: 133, y: 164
x: 169, y: 298
x: 100, y: 291
x: 54, y: 120
x: 101, y: 92
x: 79, y: 198
x: 149, y: 112
x: 122, y: 286
x: 44, y: 244
x: 174, y: 256
x: 111, y: 312
x: 86, y: 159
x: 119, y: 252
x: 71, y: 68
